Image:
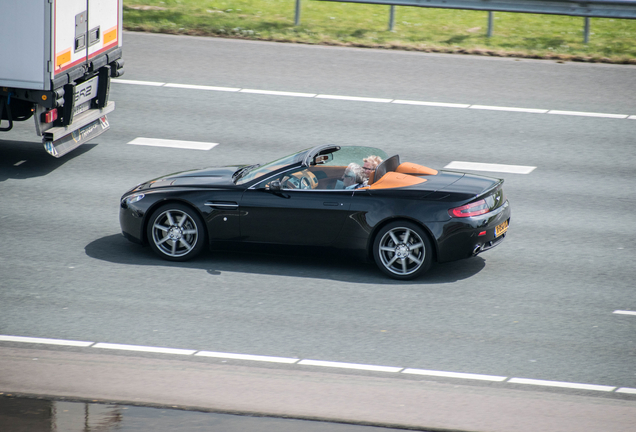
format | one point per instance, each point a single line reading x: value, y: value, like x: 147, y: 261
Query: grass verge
x: 419, y: 29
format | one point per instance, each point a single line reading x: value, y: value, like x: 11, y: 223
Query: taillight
x: 473, y: 209
x: 50, y: 116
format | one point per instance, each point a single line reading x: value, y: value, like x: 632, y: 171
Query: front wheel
x: 402, y: 250
x: 176, y: 232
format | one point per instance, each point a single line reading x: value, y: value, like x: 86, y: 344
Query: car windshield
x: 354, y: 154
x: 257, y: 171
x: 340, y: 158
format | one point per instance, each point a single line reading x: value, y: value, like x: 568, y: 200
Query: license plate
x: 501, y: 228
x: 81, y: 108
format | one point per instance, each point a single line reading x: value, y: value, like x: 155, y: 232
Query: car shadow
x: 325, y: 263
x: 21, y: 160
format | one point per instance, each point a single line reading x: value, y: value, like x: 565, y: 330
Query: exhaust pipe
x: 477, y: 249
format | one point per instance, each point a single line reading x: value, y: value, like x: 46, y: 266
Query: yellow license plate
x: 501, y: 228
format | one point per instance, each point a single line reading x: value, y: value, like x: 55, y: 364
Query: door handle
x: 331, y: 204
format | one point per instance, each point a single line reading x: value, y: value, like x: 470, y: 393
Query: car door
x: 291, y: 215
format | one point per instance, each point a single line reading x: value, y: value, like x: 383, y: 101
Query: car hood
x: 213, y: 176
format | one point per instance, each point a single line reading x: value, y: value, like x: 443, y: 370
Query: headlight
x: 134, y: 198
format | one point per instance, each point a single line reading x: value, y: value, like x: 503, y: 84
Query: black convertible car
x: 404, y: 217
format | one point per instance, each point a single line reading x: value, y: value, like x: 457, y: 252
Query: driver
x: 353, y: 176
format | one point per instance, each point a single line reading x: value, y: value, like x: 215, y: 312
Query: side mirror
x: 275, y: 185
x: 323, y: 159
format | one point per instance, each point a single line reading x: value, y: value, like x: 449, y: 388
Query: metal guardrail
x: 583, y: 8
x: 621, y: 9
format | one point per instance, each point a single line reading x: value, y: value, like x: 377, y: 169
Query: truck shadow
x: 324, y: 263
x: 21, y: 160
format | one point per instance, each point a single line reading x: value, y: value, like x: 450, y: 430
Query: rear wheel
x: 176, y: 232
x: 402, y: 250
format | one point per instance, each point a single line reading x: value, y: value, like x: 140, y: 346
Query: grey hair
x: 357, y: 171
x: 373, y: 160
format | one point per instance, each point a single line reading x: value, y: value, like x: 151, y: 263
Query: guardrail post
x: 490, y: 23
x: 391, y: 17
x: 586, y: 30
x: 297, y: 17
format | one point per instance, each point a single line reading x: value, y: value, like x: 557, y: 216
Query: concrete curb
x: 311, y: 395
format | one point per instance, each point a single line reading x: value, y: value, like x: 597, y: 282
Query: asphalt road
x: 540, y: 306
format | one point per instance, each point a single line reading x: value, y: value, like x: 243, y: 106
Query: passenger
x: 370, y: 164
x: 353, y: 176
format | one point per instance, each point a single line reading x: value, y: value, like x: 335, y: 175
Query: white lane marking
x: 622, y: 312
x: 278, y: 93
x: 454, y: 375
x: 141, y: 348
x: 370, y: 99
x: 498, y: 108
x: 247, y: 357
x: 155, y: 142
x: 143, y: 83
x: 354, y: 98
x: 561, y: 384
x: 201, y: 87
x: 45, y: 341
x: 19, y: 163
x: 349, y: 366
x: 434, y: 104
x: 588, y: 114
x: 476, y: 166
x: 162, y: 350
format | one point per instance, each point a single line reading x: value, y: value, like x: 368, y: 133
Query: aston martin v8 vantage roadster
x: 403, y: 216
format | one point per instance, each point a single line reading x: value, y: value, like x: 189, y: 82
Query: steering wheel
x: 300, y: 181
x: 305, y: 183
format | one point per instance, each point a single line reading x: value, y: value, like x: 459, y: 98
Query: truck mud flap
x: 76, y: 138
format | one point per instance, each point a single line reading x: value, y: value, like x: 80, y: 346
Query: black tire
x: 176, y: 232
x: 402, y: 250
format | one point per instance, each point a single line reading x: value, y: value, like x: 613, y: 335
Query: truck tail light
x: 50, y: 116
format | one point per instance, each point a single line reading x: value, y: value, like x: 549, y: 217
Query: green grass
x: 423, y: 29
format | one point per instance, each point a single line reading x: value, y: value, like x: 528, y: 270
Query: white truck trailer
x: 56, y: 61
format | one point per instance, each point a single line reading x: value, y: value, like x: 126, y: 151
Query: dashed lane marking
x: 140, y: 348
x: 46, y: 341
x: 376, y: 100
x: 354, y: 98
x: 498, y: 108
x: 623, y: 312
x: 357, y: 366
x: 433, y: 104
x: 155, y: 142
x: 561, y: 384
x: 588, y: 114
x: 287, y: 360
x: 143, y: 83
x: 319, y: 363
x: 278, y: 93
x: 476, y: 166
x: 200, y: 87
x: 454, y: 375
